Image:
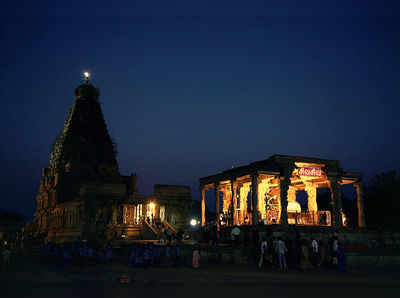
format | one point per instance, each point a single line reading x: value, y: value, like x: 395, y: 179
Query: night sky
x: 189, y: 90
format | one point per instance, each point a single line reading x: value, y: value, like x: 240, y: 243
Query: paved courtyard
x: 26, y: 278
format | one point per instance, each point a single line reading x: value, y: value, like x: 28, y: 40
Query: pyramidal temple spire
x: 84, y: 146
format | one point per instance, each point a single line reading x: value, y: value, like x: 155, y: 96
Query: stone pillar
x: 291, y: 194
x: 284, y: 187
x: 203, y: 206
x: 360, y: 204
x: 336, y: 201
x: 217, y: 205
x: 244, y: 191
x: 312, y: 197
x: 254, y: 198
x: 133, y: 214
x: 312, y: 201
x: 263, y: 189
x: 232, y: 205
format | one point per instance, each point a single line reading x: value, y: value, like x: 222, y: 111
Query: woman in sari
x: 196, y: 258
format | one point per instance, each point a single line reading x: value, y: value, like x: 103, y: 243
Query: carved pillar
x: 254, y: 198
x: 360, y: 204
x: 236, y: 217
x: 244, y: 192
x: 217, y: 205
x: 336, y: 201
x: 312, y: 197
x: 291, y: 195
x: 203, y: 206
x: 134, y: 214
x: 234, y: 203
x: 238, y: 192
x: 312, y: 201
x: 263, y: 189
x: 225, y: 203
x: 284, y: 187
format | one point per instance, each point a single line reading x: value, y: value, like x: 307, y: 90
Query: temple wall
x: 115, y: 190
x: 174, y: 191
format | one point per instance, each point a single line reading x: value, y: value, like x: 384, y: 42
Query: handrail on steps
x: 167, y: 224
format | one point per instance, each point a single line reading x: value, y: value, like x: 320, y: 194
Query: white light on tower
x: 193, y: 222
x: 86, y: 75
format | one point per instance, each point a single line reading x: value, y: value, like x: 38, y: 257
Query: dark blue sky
x: 189, y: 89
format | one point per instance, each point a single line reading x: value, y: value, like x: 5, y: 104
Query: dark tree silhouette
x: 382, y: 201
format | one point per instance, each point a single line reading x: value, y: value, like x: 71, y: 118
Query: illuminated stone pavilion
x: 265, y: 192
x: 82, y: 194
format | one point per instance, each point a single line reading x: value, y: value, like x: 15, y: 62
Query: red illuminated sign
x: 313, y: 172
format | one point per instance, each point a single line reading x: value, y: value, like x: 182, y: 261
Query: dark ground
x: 26, y: 278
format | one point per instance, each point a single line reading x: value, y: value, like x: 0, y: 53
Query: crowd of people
x: 76, y: 253
x: 301, y: 254
x: 275, y: 252
x: 155, y: 254
x: 269, y: 251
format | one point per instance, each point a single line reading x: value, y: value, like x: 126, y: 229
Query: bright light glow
x: 344, y: 219
x: 193, y: 222
x: 86, y: 74
x: 293, y: 207
x: 152, y: 206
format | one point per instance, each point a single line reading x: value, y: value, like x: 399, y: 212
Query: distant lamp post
x: 193, y: 222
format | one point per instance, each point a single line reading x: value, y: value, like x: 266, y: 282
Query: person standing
x: 196, y: 258
x: 334, y: 251
x: 275, y: 259
x: 263, y: 252
x: 6, y: 257
x: 304, y: 257
x: 177, y: 255
x: 236, y: 235
x: 314, y: 247
x: 109, y: 253
x: 167, y: 255
x: 281, y: 251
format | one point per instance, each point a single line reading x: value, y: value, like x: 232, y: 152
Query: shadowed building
x: 266, y: 192
x: 82, y: 194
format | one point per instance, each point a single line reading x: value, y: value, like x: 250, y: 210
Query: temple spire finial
x: 86, y: 74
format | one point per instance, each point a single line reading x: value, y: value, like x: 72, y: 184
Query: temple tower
x: 84, y: 147
x: 83, y: 171
x: 82, y: 195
